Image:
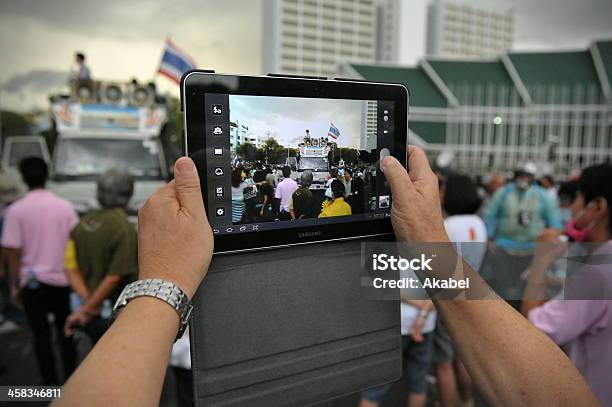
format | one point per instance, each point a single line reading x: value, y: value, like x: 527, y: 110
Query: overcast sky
x: 286, y: 119
x: 124, y: 39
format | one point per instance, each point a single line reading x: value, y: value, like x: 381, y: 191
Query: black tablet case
x: 290, y: 327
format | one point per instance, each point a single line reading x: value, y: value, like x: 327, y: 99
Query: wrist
x: 175, y: 278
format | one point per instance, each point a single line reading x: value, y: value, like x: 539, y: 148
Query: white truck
x: 313, y: 155
x: 94, y: 137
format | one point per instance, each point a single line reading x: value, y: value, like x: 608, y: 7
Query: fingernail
x: 184, y: 166
x: 385, y: 162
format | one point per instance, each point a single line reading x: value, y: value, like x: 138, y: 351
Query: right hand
x: 175, y: 242
x: 416, y: 214
x: 417, y: 329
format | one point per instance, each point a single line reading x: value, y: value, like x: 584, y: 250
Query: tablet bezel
x: 195, y: 84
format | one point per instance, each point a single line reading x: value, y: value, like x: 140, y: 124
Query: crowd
x: 263, y: 193
x: 73, y: 269
x: 512, y: 232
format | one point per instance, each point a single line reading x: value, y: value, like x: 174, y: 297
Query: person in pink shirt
x: 581, y: 322
x: 34, y: 237
x: 284, y: 192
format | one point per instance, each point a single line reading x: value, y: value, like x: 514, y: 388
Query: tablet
x: 292, y: 160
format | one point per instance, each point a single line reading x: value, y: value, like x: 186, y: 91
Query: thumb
x: 398, y: 178
x: 187, y: 186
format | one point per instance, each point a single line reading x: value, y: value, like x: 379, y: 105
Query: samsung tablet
x: 292, y: 160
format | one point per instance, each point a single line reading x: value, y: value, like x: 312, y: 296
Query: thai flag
x: 175, y: 62
x: 333, y: 132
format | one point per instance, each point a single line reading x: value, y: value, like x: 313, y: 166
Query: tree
x: 14, y: 124
x: 349, y: 155
x: 247, y: 151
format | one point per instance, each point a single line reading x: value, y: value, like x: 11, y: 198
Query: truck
x: 95, y: 134
x: 313, y: 155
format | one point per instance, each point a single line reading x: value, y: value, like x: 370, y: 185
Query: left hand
x: 549, y: 247
x: 77, y: 318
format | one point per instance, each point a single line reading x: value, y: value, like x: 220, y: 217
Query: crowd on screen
x: 57, y: 263
x: 265, y: 193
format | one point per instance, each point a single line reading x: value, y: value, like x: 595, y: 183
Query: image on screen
x: 298, y: 161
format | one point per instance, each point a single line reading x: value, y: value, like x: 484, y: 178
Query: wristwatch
x: 163, y: 290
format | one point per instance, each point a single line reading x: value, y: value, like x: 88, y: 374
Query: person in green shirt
x: 102, y: 255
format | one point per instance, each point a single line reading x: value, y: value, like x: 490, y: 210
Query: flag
x: 175, y: 62
x: 333, y: 132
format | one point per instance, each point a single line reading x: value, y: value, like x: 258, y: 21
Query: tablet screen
x: 284, y: 162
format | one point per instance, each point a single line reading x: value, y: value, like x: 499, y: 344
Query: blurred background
x: 494, y: 86
x: 492, y: 83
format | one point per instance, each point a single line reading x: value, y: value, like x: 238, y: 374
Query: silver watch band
x: 162, y: 289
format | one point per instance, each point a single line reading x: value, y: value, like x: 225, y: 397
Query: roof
x: 423, y: 92
x: 476, y: 82
x: 605, y: 52
x: 558, y: 77
x: 431, y: 132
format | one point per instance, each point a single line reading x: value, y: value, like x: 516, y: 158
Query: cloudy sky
x: 286, y: 119
x: 123, y: 39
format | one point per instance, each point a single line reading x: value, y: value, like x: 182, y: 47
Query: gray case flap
x: 291, y: 327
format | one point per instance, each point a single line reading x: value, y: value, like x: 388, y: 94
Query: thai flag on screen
x: 333, y: 132
x: 175, y: 62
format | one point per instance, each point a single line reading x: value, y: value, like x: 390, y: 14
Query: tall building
x: 388, y: 29
x: 369, y: 125
x: 313, y: 37
x: 462, y: 30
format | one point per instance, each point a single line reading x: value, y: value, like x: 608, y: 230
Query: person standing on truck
x: 102, y: 254
x: 81, y: 71
x: 34, y: 236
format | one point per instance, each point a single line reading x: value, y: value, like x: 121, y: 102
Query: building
x: 237, y: 135
x: 369, y: 126
x: 388, y: 30
x: 240, y: 134
x: 462, y: 30
x: 313, y: 37
x: 553, y: 108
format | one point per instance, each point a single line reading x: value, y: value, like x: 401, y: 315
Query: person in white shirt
x: 418, y: 320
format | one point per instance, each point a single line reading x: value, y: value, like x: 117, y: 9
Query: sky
x: 124, y: 39
x: 286, y: 119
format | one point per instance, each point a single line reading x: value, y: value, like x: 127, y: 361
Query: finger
x: 67, y: 328
x: 187, y: 186
x: 418, y: 164
x: 398, y: 178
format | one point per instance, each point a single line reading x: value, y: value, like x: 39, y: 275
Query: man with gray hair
x: 102, y: 255
x: 303, y: 203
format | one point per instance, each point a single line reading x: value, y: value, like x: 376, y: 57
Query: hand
x: 416, y: 214
x: 16, y: 297
x: 175, y: 242
x: 77, y: 318
x: 417, y: 329
x: 549, y: 247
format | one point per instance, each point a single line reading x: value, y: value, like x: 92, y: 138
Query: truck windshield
x: 313, y: 164
x: 88, y: 158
